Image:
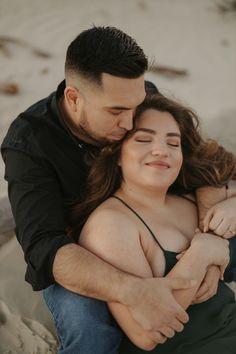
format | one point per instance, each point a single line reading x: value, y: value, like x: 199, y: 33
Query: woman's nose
x: 160, y: 150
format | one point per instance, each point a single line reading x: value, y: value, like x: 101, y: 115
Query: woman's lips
x: 158, y: 164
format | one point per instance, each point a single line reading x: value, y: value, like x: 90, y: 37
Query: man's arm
x: 37, y: 207
x: 51, y: 255
x: 207, y: 197
x: 212, y: 202
x: 231, y: 189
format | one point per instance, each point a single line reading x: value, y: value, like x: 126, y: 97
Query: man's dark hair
x: 105, y: 50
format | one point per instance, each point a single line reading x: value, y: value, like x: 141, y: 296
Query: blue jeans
x: 84, y: 325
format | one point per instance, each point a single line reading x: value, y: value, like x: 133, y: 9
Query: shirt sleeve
x: 37, y: 206
x: 230, y: 272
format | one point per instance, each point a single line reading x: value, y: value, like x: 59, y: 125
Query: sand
x: 195, y: 40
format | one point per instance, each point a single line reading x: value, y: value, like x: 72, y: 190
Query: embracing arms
x: 217, y: 213
x: 37, y: 204
x: 118, y: 242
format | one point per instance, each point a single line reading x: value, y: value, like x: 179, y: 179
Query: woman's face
x: 152, y: 156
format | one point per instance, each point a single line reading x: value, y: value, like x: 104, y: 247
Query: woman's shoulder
x: 183, y: 205
x: 109, y: 217
x: 113, y: 236
x: 109, y: 210
x: 110, y: 234
x: 184, y: 199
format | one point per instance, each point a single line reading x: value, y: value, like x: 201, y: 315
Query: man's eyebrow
x: 153, y: 132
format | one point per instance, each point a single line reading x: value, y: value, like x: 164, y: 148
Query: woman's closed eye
x: 173, y: 143
x: 143, y: 139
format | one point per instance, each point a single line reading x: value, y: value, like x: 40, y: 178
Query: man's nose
x: 126, y: 121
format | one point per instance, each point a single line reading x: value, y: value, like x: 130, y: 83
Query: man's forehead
x: 123, y: 92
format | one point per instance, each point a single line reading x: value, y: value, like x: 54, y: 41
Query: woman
x: 144, y: 222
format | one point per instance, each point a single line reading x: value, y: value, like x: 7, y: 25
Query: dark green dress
x: 212, y: 325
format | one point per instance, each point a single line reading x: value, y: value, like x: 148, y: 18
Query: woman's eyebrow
x: 174, y: 134
x: 151, y: 131
x: 146, y: 130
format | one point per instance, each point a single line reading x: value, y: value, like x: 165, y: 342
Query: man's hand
x: 221, y: 218
x: 155, y: 308
x: 209, y: 285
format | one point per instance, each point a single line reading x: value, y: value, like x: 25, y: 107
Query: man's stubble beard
x: 86, y: 131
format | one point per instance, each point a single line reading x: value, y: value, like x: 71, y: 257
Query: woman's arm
x: 112, y: 237
x: 205, y: 250
x: 117, y: 241
x: 189, y: 267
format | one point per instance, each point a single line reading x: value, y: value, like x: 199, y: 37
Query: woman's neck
x: 147, y: 198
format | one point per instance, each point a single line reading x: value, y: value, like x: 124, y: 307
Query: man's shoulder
x: 33, y: 115
x: 25, y: 129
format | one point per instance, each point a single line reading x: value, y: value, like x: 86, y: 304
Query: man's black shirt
x: 46, y: 170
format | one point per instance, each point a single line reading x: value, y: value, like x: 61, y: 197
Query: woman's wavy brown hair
x: 204, y: 162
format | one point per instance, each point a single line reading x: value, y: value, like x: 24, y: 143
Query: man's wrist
x: 128, y: 288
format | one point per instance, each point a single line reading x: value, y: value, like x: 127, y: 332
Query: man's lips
x: 158, y: 164
x: 118, y: 136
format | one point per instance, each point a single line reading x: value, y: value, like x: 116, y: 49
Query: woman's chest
x: 172, y: 232
x: 160, y: 246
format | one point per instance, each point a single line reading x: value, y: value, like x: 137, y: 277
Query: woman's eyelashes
x: 149, y: 139
x: 143, y: 140
x: 174, y: 144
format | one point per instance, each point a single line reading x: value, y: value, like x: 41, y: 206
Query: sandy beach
x: 191, y: 46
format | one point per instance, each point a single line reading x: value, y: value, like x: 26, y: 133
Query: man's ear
x: 72, y: 96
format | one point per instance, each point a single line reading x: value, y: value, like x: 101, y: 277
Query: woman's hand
x: 214, y: 248
x: 206, y: 198
x: 209, y: 285
x: 221, y: 218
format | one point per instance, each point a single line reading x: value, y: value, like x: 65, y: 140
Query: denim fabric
x: 84, y: 325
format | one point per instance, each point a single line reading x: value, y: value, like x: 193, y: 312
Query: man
x: 46, y: 153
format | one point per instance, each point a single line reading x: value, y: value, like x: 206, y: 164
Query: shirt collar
x: 55, y: 108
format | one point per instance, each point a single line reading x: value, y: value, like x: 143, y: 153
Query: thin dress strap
x: 129, y: 207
